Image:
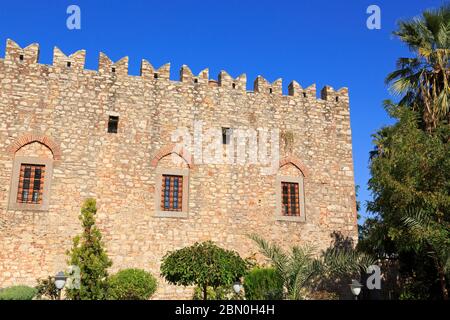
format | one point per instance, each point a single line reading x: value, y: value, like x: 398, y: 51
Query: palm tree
x: 423, y: 80
x: 301, y: 269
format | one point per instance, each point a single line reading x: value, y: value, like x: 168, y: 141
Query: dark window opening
x: 226, y: 135
x: 155, y: 75
x: 69, y: 64
x: 290, y: 199
x: 113, y: 124
x: 172, y: 193
x: 113, y: 70
x: 270, y: 90
x: 337, y: 99
x: 21, y: 57
x: 195, y: 80
x: 234, y: 85
x: 304, y: 94
x: 31, y: 182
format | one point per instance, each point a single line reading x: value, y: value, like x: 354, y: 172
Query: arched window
x: 33, y: 159
x: 290, y: 191
x: 172, y: 182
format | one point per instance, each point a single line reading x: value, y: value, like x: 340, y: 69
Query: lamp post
x: 60, y: 281
x: 355, y: 287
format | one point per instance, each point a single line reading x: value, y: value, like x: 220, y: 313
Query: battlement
x: 106, y: 67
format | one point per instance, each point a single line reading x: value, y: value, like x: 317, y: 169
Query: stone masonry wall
x: 62, y: 110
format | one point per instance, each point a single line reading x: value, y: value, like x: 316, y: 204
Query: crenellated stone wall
x: 61, y: 111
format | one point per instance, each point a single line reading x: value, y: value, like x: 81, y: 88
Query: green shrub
x: 263, y: 284
x: 17, y: 293
x: 131, y: 284
x: 46, y: 289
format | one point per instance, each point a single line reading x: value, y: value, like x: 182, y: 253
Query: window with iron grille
x: 291, y: 199
x: 31, y: 184
x: 171, y: 193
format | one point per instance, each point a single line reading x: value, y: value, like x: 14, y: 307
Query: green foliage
x: 46, y: 289
x: 131, y: 284
x: 410, y: 168
x: 89, y: 255
x: 410, y: 184
x: 263, y: 284
x: 17, y: 293
x: 413, y: 290
x: 203, y: 264
x: 301, y: 270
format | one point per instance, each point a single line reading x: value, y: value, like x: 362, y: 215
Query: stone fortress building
x: 67, y: 133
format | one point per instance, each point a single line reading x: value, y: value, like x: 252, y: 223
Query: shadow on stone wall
x: 389, y: 276
x: 340, y: 285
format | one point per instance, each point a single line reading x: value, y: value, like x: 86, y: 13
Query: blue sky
x: 322, y: 42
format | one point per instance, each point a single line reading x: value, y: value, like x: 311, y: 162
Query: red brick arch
x: 33, y: 137
x: 296, y: 162
x: 172, y: 148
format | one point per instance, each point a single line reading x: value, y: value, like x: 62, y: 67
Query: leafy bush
x: 205, y: 265
x: 131, y: 284
x: 46, y: 289
x: 263, y: 284
x: 17, y: 293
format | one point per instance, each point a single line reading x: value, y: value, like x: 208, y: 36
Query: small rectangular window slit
x: 226, y: 135
x: 113, y: 124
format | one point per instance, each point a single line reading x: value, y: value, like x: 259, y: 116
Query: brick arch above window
x: 173, y: 148
x: 296, y: 162
x: 33, y: 137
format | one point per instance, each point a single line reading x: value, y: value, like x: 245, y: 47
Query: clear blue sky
x: 322, y: 42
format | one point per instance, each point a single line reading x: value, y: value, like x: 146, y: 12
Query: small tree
x: 89, y: 255
x: 205, y: 265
